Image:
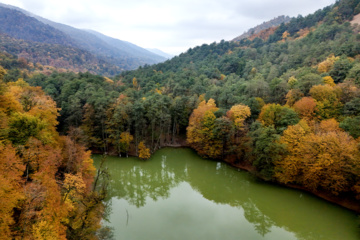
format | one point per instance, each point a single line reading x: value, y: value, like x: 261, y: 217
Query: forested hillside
x: 248, y: 103
x: 264, y: 26
x: 42, y: 41
x: 286, y: 107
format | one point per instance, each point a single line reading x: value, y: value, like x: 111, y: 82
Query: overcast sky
x: 172, y: 26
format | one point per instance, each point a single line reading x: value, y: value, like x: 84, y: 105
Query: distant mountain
x: 129, y: 48
x: 265, y: 25
x: 20, y: 24
x: 161, y: 53
x: 17, y: 25
x: 58, y: 56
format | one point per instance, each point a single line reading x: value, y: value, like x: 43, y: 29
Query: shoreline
x: 348, y: 203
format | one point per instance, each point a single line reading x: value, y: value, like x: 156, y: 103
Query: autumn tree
x: 328, y: 104
x: 324, y: 158
x: 287, y: 170
x: 305, y: 107
x: 11, y: 194
x: 46, y: 190
x: 293, y: 96
x: 144, y: 152
x: 329, y: 81
x: 292, y: 82
x: 125, y: 139
x: 327, y: 65
x: 2, y: 73
x: 238, y: 114
x: 200, y: 132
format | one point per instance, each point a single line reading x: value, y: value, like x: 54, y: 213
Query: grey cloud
x: 270, y: 9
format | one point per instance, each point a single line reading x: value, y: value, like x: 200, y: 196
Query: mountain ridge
x: 161, y: 53
x: 21, y: 24
x: 264, y: 26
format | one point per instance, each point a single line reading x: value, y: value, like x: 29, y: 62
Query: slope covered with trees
x: 55, y: 41
x: 47, y: 189
x: 286, y: 107
x: 264, y: 26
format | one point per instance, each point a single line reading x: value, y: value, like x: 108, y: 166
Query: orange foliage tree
x: 11, y: 171
x: 200, y: 132
x: 45, y: 190
x: 305, y: 107
x: 320, y: 158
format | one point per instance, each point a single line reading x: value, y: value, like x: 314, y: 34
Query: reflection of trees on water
x: 135, y: 180
x: 262, y: 223
x: 135, y: 183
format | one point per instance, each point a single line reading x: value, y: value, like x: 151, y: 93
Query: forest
x: 285, y: 106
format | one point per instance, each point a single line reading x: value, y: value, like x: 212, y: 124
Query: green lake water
x: 178, y: 195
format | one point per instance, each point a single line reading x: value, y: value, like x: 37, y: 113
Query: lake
x: 178, y: 195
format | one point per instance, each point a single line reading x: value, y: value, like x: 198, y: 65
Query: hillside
x: 245, y: 102
x: 264, y: 26
x: 17, y: 25
x: 130, y: 49
x: 58, y: 56
x: 20, y: 24
x: 285, y: 107
x: 161, y: 53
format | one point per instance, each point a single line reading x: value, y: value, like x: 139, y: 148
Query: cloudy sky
x: 170, y: 25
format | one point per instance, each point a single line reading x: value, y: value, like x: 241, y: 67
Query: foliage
x: 278, y: 116
x: 200, y: 132
x: 305, y: 107
x: 144, y: 152
x: 46, y: 178
x: 352, y: 126
x: 266, y: 149
x: 326, y: 158
x: 272, y: 103
x: 328, y: 104
x: 238, y: 114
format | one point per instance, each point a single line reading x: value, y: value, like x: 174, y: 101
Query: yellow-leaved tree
x: 200, y: 132
x: 319, y: 158
x: 327, y: 65
x: 46, y: 180
x: 328, y: 104
x: 238, y: 114
x: 144, y: 152
x: 125, y: 139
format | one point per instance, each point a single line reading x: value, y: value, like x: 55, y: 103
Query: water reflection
x: 264, y: 206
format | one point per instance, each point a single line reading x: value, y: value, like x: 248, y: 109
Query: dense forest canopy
x: 286, y: 105
x: 47, y: 189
